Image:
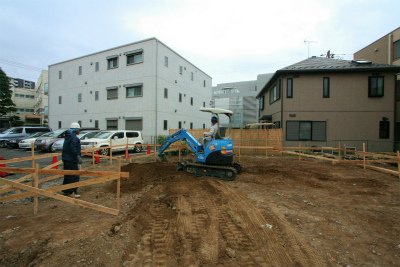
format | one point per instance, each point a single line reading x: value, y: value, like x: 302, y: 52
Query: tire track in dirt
x: 190, y: 221
x: 301, y: 253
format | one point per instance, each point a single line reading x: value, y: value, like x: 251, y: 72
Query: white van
x: 134, y: 139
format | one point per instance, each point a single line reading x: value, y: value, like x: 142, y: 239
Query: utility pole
x: 308, y: 43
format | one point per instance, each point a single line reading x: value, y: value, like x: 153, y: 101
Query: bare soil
x: 278, y: 212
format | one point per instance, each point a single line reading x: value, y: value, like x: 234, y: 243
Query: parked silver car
x: 45, y: 142
x: 58, y: 145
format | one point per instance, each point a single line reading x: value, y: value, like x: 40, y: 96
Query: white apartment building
x: 41, y: 108
x: 240, y: 97
x: 142, y: 86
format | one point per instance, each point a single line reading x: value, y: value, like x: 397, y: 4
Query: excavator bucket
x: 161, y: 157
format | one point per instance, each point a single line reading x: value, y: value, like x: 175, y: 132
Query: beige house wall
x: 349, y: 113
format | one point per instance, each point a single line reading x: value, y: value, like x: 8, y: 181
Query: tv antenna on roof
x: 308, y: 42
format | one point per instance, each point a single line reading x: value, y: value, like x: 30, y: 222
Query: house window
x: 384, y: 129
x: 134, y: 91
x: 204, y: 126
x: 112, y: 92
x: 112, y: 62
x: 166, y: 61
x: 204, y: 83
x: 112, y: 124
x: 60, y: 74
x: 60, y: 100
x: 191, y: 76
x: 80, y: 70
x: 305, y: 130
x: 96, y: 123
x: 80, y: 123
x: 204, y: 104
x: 46, y: 88
x: 180, y: 70
x: 262, y: 103
x: 96, y: 66
x: 180, y: 125
x: 191, y: 101
x: 191, y: 125
x: 396, y: 46
x: 326, y: 87
x: 134, y: 58
x: 59, y: 124
x: 375, y: 86
x: 96, y: 95
x: 80, y: 97
x: 289, y: 88
x: 274, y: 94
x: 166, y: 93
x: 165, y: 125
x: 180, y: 98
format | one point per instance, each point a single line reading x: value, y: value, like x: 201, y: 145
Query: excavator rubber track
x: 218, y: 172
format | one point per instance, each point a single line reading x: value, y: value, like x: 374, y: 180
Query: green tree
x: 15, y: 121
x: 6, y: 103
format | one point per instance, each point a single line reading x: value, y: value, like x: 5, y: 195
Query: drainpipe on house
x: 390, y: 43
x: 156, y: 89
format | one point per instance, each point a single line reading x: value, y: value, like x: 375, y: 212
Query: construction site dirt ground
x: 278, y: 212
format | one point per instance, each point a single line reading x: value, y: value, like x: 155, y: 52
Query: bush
x: 161, y: 138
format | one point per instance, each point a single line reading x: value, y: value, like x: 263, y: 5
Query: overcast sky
x: 230, y: 40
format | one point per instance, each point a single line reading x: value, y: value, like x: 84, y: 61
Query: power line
x: 20, y: 65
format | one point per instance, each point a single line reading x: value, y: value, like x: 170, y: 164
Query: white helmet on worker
x: 75, y: 125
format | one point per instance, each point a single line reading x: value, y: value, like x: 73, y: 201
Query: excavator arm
x: 180, y: 135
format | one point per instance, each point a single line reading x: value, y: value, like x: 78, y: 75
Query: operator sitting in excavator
x: 214, y: 128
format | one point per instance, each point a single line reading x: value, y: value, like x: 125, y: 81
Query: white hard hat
x: 74, y: 125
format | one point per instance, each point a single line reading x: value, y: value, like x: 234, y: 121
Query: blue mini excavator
x: 214, y: 156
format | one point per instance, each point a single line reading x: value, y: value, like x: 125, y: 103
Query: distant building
x: 240, y: 97
x: 23, y: 98
x: 143, y: 86
x: 321, y: 101
x: 41, y: 108
x: 20, y: 83
x: 385, y: 50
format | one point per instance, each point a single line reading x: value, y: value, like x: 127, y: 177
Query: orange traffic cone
x: 97, y: 158
x: 148, y: 150
x: 126, y: 153
x: 3, y: 166
x: 54, y: 161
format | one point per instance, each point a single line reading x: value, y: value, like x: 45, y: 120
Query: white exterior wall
x: 151, y: 73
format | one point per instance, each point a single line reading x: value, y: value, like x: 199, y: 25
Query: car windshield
x: 35, y: 134
x: 48, y: 134
x: 58, y: 132
x: 7, y: 131
x: 103, y: 135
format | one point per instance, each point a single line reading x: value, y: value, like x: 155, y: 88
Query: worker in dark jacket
x: 71, y: 156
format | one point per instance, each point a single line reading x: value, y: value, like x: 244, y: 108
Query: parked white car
x: 134, y: 140
x: 58, y: 145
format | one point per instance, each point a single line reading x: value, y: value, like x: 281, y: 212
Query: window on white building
x: 112, y: 62
x: 134, y: 57
x: 112, y: 92
x: 80, y: 70
x: 80, y: 97
x: 134, y: 90
x: 166, y: 61
x: 96, y: 95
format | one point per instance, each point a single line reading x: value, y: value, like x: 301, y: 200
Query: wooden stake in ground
x: 36, y: 185
x: 110, y: 151
x: 33, y: 155
x: 93, y: 155
x: 119, y: 183
x: 299, y: 151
